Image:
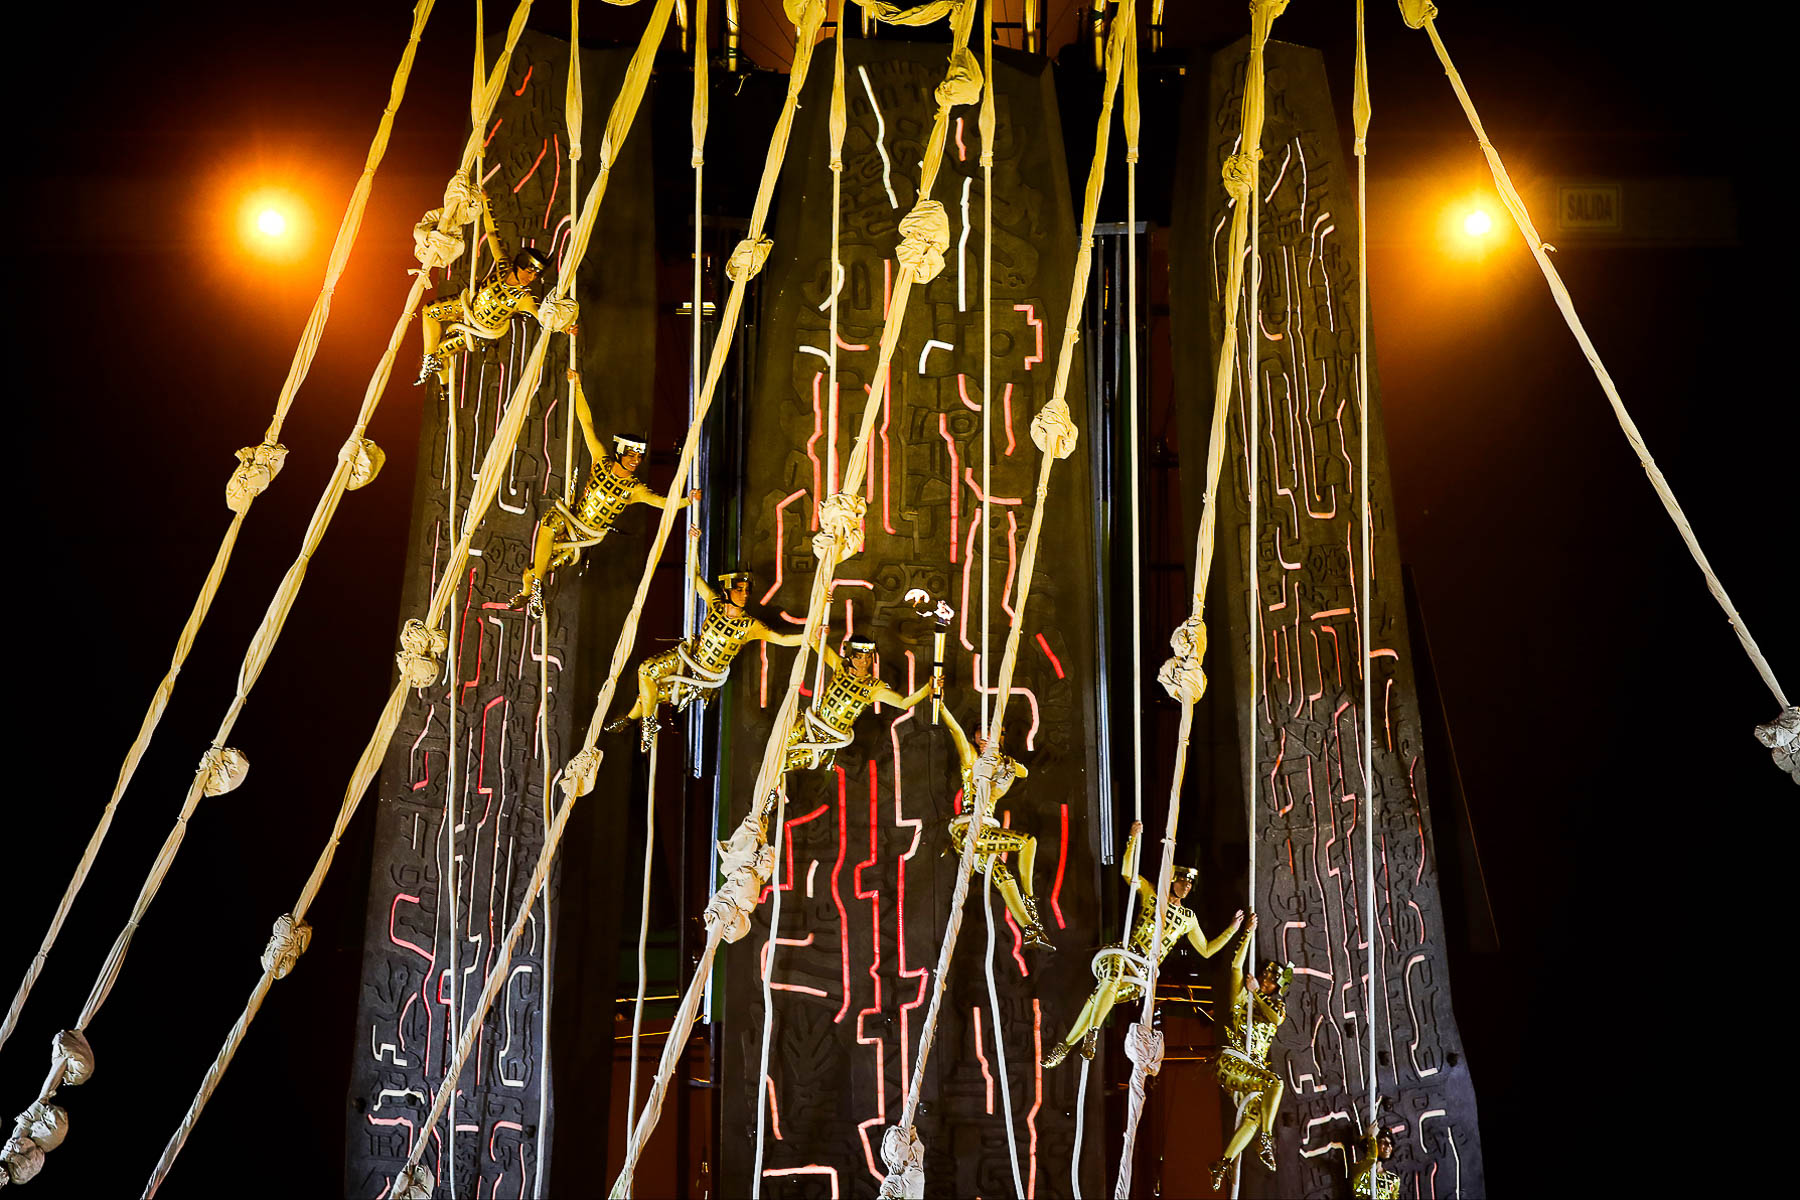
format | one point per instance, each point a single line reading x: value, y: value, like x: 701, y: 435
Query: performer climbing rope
x: 487, y: 314
x: 828, y: 726
x: 566, y: 530
x: 1119, y: 968
x: 1371, y: 1179
x: 698, y: 666
x: 994, y: 839
x: 1258, y: 1008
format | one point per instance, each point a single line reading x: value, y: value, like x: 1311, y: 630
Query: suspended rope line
x: 643, y: 945
x: 1182, y: 675
x: 987, y: 123
x: 1420, y: 14
x: 702, y: 100
x: 1361, y: 111
x: 572, y: 121
x: 768, y: 1001
x: 422, y: 643
x: 1006, y: 1106
x: 1133, y: 123
x: 257, y: 467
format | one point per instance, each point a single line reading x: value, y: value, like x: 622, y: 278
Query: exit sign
x: 1589, y: 207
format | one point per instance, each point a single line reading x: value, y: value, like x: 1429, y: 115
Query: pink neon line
x: 918, y: 827
x: 814, y: 1169
x: 887, y: 474
x: 787, y: 830
x: 534, y: 167
x: 763, y: 967
x: 818, y: 431
x: 1054, y: 661
x: 1330, y: 612
x: 762, y: 696
x: 780, y: 548
x: 968, y: 563
x: 1012, y: 561
x: 962, y: 390
x: 873, y: 895
x: 495, y: 1133
x: 774, y: 1113
x: 1062, y: 862
x: 1031, y: 318
x: 955, y: 492
x: 838, y: 899
x: 544, y: 486
x: 962, y: 154
x: 556, y: 183
x: 1037, y: 1101
x: 1015, y: 690
x: 969, y: 478
x: 1006, y: 405
x: 1018, y: 946
x: 981, y: 1057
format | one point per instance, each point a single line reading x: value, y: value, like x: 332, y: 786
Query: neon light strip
x: 955, y: 492
x: 1031, y: 319
x: 818, y: 431
x: 873, y: 895
x: 815, y: 1169
x: 918, y: 827
x: 837, y: 898
x: 780, y: 550
x: 1054, y: 661
x: 981, y: 1057
x: 1062, y: 862
x: 887, y: 184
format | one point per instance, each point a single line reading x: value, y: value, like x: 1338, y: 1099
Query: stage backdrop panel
x: 1307, y: 807
x: 864, y: 868
x: 406, y: 1021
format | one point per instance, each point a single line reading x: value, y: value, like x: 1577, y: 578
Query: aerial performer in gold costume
x: 487, y: 314
x: 1242, y: 1067
x: 698, y: 667
x: 1370, y: 1179
x: 994, y: 838
x: 1120, y: 971
x: 565, y: 532
x: 828, y: 725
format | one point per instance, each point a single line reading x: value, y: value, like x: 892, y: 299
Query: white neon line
x: 887, y: 165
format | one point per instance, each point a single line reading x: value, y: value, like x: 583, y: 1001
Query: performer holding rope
x: 1120, y: 968
x: 994, y: 838
x: 565, y: 532
x: 828, y: 725
x: 1258, y: 1008
x: 487, y: 314
x: 698, y: 666
x: 1371, y: 1179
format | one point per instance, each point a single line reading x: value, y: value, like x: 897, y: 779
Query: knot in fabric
x: 44, y: 1123
x: 1053, y: 429
x: 796, y: 10
x: 1782, y: 737
x: 904, y: 1155
x: 365, y: 459
x: 1416, y: 12
x: 433, y: 245
x: 256, y: 470
x: 420, y: 646
x: 224, y: 769
x: 286, y: 944
x: 924, y: 236
x: 747, y: 259
x: 414, y: 1183
x: 840, y: 527
x: 1181, y: 675
x: 579, y: 773
x: 1144, y: 1047
x: 1239, y: 174
x: 21, y: 1159
x: 962, y: 81
x: 462, y: 201
x: 557, y: 313
x: 71, y: 1054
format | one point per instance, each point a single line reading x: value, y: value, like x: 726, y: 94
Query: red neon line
x: 774, y: 1113
x: 838, y: 899
x: 1062, y: 861
x: 1037, y: 1101
x: 1018, y: 945
x: 1012, y: 561
x: 955, y: 491
x: 918, y: 827
x: 962, y: 154
x: 818, y: 431
x: 968, y: 563
x: 555, y: 184
x: 1031, y: 318
x: 1006, y: 405
x: 534, y: 167
x: 523, y: 82
x: 962, y: 388
x: 763, y: 967
x: 1014, y: 690
x: 969, y: 478
x: 787, y: 831
x: 490, y: 137
x: 1054, y: 661
x: 780, y: 548
x: 1330, y: 612
x: 981, y: 1057
x: 887, y: 474
x: 762, y: 696
x: 873, y: 895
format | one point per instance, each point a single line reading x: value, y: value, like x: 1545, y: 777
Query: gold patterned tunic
x: 605, y: 495
x: 1178, y: 922
x: 698, y: 666
x: 1245, y: 1069
x: 1373, y: 1182
x: 831, y: 719
x: 485, y: 315
x: 994, y: 839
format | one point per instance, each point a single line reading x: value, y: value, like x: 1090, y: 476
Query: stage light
x: 1478, y: 223
x: 270, y: 223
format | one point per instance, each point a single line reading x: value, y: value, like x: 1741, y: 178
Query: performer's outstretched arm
x: 1209, y: 948
x: 888, y: 695
x: 1239, y: 957
x: 585, y: 415
x: 965, y: 753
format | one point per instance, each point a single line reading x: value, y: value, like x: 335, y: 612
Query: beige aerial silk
x: 421, y: 641
x: 257, y: 468
x: 1421, y: 14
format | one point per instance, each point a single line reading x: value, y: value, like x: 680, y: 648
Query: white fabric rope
x: 988, y: 124
x: 1365, y: 512
x: 1420, y: 14
x: 768, y: 999
x: 1182, y: 675
x: 257, y: 467
x: 422, y: 643
x: 993, y: 990
x: 643, y: 945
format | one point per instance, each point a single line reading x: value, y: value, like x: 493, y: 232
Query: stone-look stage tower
x: 865, y: 867
x: 405, y: 1021
x: 1306, y: 807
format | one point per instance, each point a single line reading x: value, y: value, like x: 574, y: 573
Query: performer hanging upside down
x: 994, y: 838
x: 699, y: 666
x: 612, y: 484
x: 1370, y: 1179
x: 1120, y: 972
x: 1243, y: 1067
x: 487, y: 314
x: 828, y: 725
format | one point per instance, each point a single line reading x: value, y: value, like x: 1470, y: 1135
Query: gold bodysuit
x: 485, y: 315
x: 1374, y: 1182
x: 698, y: 666
x: 1178, y: 922
x: 1245, y: 1069
x: 844, y: 699
x: 995, y: 839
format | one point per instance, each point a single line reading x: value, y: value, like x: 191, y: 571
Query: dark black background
x: 1600, y: 706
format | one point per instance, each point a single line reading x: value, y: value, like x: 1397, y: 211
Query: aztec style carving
x: 405, y: 1014
x: 1308, y: 809
x: 864, y: 860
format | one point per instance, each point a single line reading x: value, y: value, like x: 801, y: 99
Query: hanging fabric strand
x: 422, y: 643
x: 702, y: 99
x: 1421, y: 14
x: 257, y: 467
x: 1182, y: 675
x: 988, y: 124
x: 572, y: 120
x: 1361, y: 112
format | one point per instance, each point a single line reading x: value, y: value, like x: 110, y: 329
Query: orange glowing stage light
x: 273, y: 223
x: 1478, y: 223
